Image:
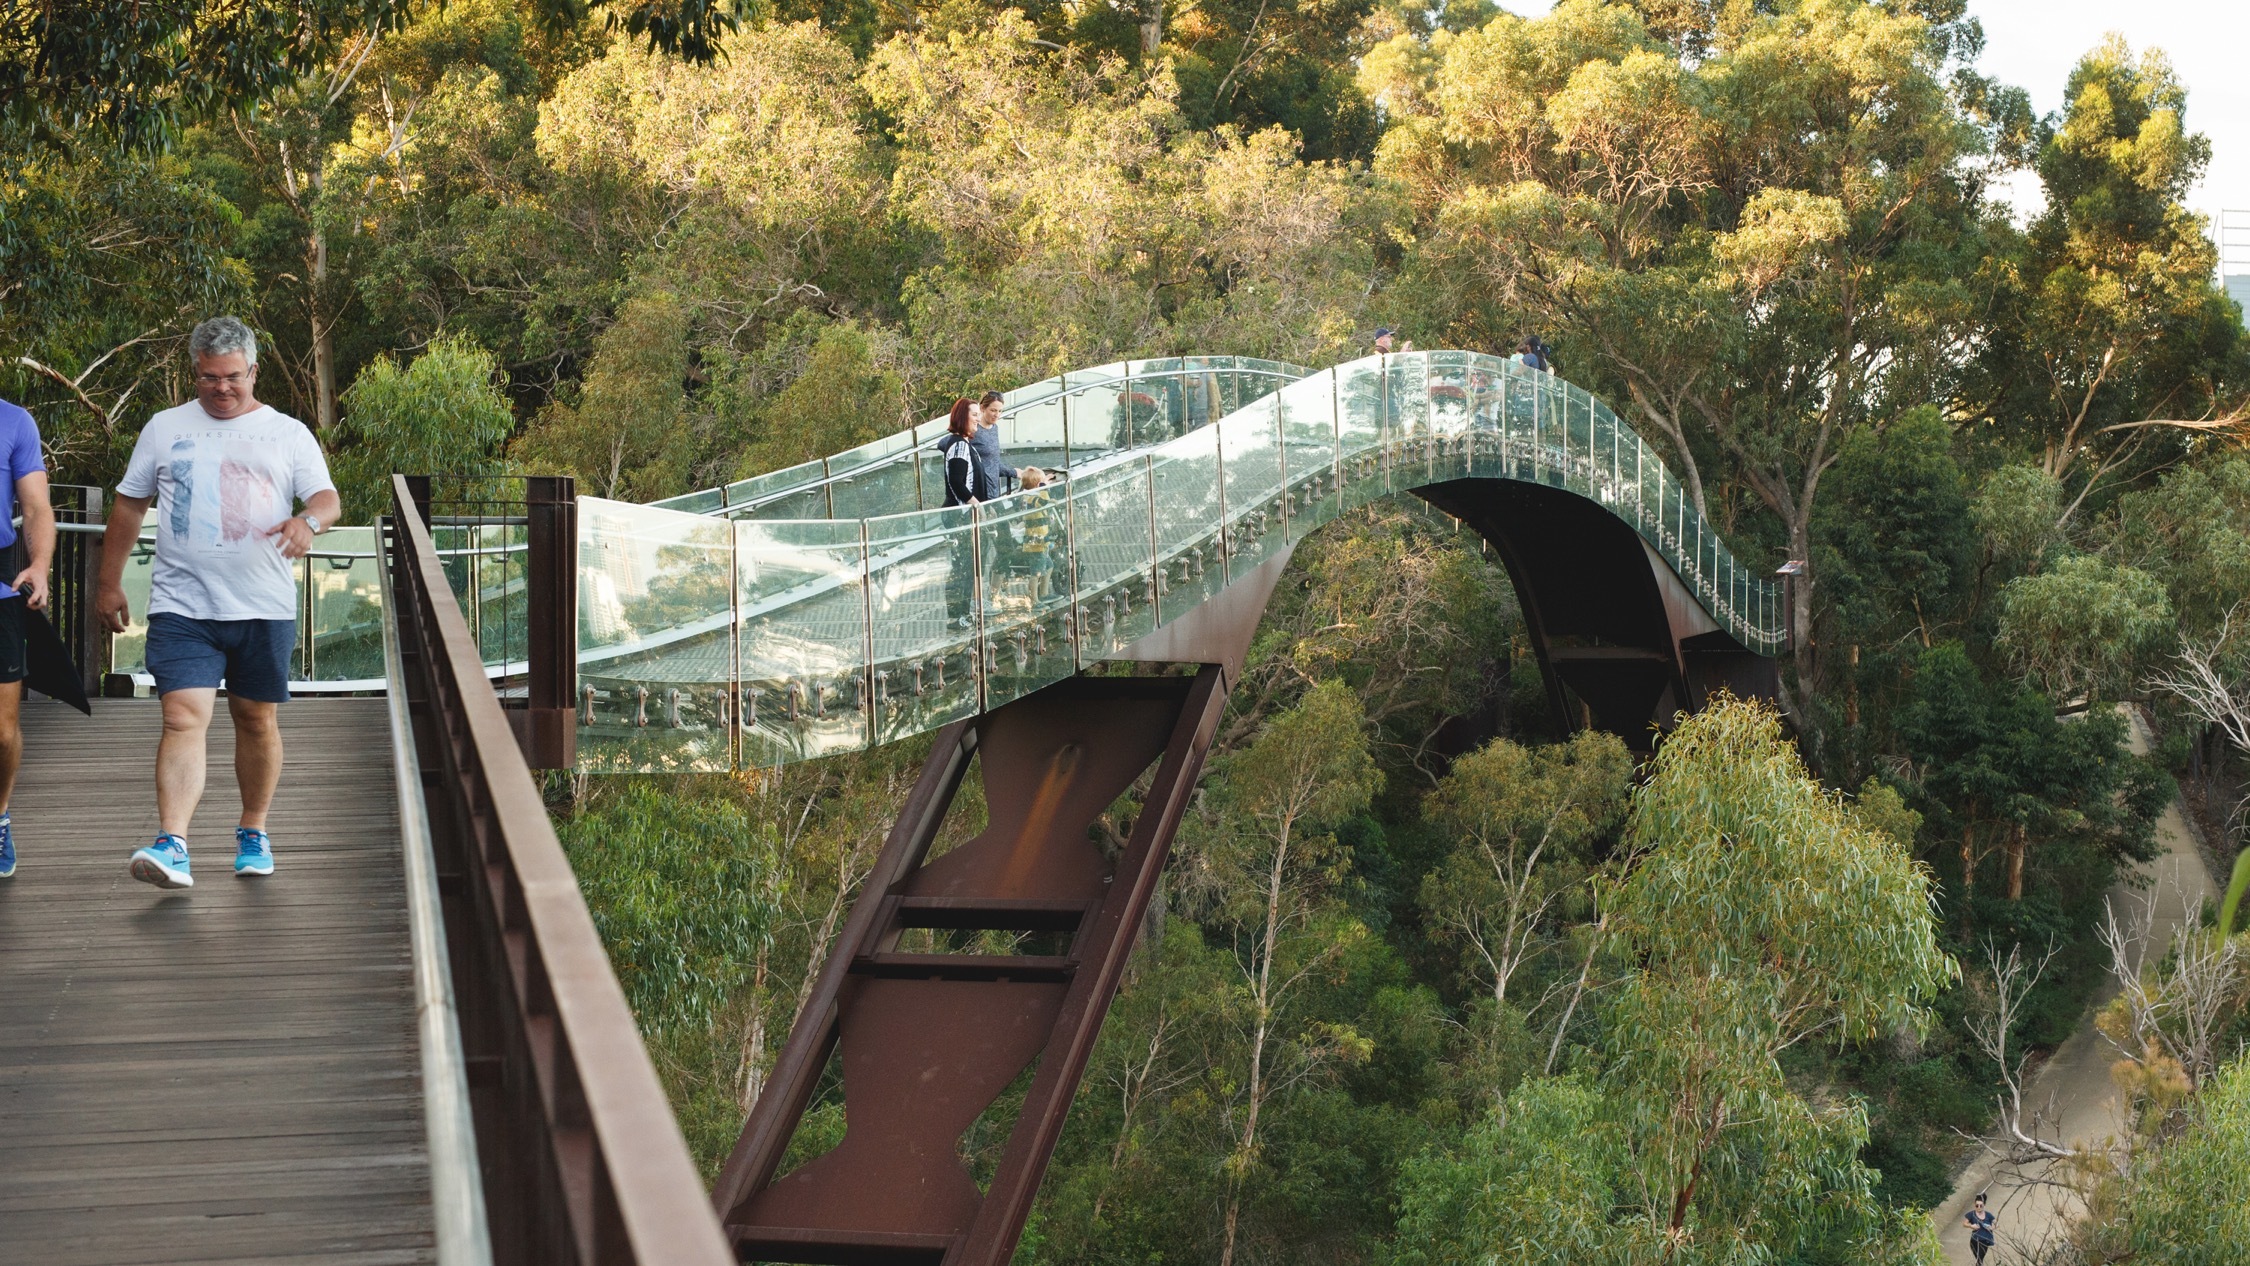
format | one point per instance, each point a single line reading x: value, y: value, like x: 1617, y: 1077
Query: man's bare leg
x: 180, y: 757
x: 11, y: 739
x: 257, y: 756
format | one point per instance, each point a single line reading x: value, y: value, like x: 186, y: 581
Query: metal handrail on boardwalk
x: 583, y: 1161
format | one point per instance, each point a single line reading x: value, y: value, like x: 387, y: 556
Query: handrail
x: 911, y: 443
x: 456, y: 1181
x: 589, y: 1166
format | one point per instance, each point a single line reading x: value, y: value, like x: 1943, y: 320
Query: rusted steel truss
x: 927, y: 1041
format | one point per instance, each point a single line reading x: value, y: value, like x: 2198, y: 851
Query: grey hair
x: 223, y: 336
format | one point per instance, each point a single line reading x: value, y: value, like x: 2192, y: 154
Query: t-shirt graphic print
x: 220, y: 487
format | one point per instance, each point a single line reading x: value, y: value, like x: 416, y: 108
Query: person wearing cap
x: 1383, y: 339
x: 226, y: 474
x: 23, y: 489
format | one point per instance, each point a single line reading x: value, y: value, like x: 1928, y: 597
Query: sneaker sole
x: 149, y: 872
x: 263, y: 868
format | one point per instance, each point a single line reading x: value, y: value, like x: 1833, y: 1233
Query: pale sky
x: 2034, y: 43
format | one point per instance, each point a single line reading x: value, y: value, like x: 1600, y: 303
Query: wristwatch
x: 311, y: 522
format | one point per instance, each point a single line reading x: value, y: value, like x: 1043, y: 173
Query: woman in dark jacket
x: 959, y: 452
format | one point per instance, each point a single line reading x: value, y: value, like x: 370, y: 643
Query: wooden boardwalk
x: 223, y: 1074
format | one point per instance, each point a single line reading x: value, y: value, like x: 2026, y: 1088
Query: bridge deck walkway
x: 223, y: 1074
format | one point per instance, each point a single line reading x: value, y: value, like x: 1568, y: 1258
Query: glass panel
x: 1553, y: 431
x: 1359, y: 404
x: 128, y: 650
x: 886, y: 488
x: 346, y: 600
x: 1448, y: 409
x: 802, y: 644
x: 703, y: 502
x: 655, y: 637
x: 762, y: 487
x: 1109, y: 520
x: 1308, y: 433
x: 806, y: 503
x: 1250, y: 456
x: 1099, y: 423
x: 1033, y: 436
x: 1518, y: 412
x: 1409, y: 420
x: 1187, y: 519
x: 1026, y: 594
x: 922, y: 591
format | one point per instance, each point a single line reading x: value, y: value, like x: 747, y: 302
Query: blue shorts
x: 250, y: 656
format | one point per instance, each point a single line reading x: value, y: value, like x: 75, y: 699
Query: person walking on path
x: 226, y: 474
x: 994, y: 474
x: 1979, y: 1220
x: 23, y: 491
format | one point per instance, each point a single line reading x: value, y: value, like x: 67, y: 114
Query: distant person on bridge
x: 1534, y: 355
x: 225, y: 473
x: 959, y: 452
x: 994, y: 475
x: 23, y: 491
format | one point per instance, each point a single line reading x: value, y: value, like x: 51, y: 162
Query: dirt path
x: 2086, y: 1107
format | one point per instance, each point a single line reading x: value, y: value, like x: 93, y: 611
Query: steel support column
x: 927, y: 1041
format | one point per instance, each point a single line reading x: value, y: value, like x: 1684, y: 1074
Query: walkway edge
x: 456, y: 1180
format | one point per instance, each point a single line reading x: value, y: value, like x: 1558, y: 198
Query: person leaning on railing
x: 994, y: 474
x: 225, y: 473
x: 24, y: 488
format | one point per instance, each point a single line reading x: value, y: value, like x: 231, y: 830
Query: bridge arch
x: 776, y: 620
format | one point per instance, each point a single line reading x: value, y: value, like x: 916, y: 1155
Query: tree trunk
x: 1152, y: 29
x: 1968, y: 858
x: 323, y: 345
x: 2015, y: 862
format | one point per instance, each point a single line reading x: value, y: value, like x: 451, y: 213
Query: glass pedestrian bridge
x: 835, y: 605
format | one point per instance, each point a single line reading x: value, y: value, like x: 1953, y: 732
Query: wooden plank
x: 222, y: 1074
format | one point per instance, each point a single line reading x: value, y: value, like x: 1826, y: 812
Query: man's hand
x: 111, y: 607
x: 296, y: 537
x: 31, y: 582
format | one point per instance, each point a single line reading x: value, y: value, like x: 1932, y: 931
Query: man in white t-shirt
x: 225, y: 474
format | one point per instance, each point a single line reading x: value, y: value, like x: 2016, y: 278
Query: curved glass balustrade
x: 715, y: 633
x: 1082, y: 416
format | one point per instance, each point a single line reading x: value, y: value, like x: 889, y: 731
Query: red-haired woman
x: 959, y: 452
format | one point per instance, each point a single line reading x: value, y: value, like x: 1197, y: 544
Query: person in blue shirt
x: 1979, y: 1220
x: 22, y: 493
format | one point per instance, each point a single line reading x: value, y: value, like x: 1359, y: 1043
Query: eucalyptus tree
x: 1752, y: 912
x: 1524, y: 825
x: 1759, y: 241
x: 2113, y: 346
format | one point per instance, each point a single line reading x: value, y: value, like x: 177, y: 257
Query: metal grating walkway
x: 227, y: 1074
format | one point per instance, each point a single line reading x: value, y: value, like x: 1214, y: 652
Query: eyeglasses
x: 221, y: 380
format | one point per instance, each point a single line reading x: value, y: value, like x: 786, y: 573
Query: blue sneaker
x: 7, y: 848
x: 253, y: 851
x: 164, y: 863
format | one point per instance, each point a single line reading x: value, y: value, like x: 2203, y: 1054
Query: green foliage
x: 1534, y: 1182
x: 2085, y: 628
x: 1525, y: 823
x: 624, y: 437
x: 2061, y: 801
x: 133, y: 74
x: 441, y: 414
x: 1897, y: 545
x: 679, y: 892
